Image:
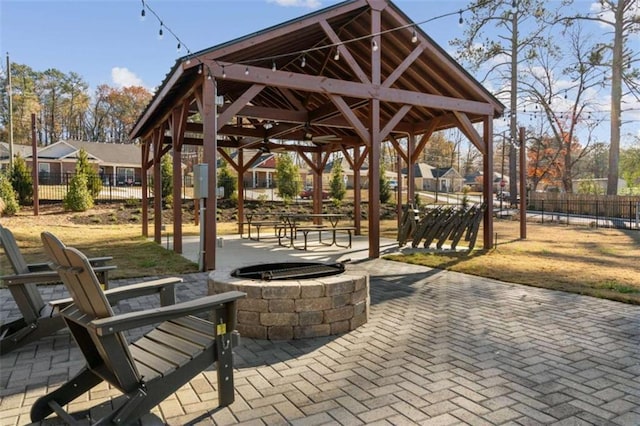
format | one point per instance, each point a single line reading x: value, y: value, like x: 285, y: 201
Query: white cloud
x: 311, y: 4
x: 122, y: 77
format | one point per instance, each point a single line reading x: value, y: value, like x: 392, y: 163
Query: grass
x: 596, y: 262
x: 593, y: 261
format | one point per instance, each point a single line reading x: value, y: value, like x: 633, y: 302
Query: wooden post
x: 210, y: 147
x: 523, y: 186
x: 487, y: 182
x: 34, y: 166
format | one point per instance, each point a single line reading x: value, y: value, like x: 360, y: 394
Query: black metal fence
x: 610, y: 212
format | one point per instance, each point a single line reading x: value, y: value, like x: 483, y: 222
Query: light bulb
x: 224, y: 74
x: 336, y: 57
x: 460, y: 20
x: 246, y: 71
x: 200, y: 69
x: 189, y: 61
x: 374, y: 45
x: 414, y: 37
x: 160, y: 32
x: 179, y: 47
x: 304, y: 61
x: 273, y: 66
x: 142, y: 14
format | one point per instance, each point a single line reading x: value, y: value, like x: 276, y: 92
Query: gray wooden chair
x: 148, y: 370
x: 40, y: 318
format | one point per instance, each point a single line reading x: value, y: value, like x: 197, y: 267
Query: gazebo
x: 345, y: 78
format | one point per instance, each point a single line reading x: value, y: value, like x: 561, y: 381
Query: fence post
x: 566, y: 208
x: 597, y: 212
x: 542, y: 217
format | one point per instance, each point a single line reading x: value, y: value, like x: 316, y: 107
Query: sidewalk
x: 439, y: 348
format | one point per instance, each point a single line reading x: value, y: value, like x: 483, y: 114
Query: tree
x: 8, y: 203
x: 166, y: 176
x: 385, y: 188
x: 21, y: 181
x: 337, y: 188
x: 508, y: 17
x: 630, y: 166
x: 618, y: 57
x: 287, y: 177
x: 226, y: 179
x: 78, y: 198
x: 94, y: 184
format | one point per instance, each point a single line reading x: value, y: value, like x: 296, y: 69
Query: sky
x: 107, y: 42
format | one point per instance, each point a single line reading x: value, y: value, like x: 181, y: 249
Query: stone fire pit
x: 280, y: 309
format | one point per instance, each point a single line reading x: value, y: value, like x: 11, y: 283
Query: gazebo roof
x: 293, y: 102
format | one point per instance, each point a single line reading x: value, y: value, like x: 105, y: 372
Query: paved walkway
x: 440, y: 348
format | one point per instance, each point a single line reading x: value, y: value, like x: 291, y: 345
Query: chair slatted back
x: 108, y: 355
x: 19, y: 265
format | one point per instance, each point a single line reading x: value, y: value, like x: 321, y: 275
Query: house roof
x: 103, y: 153
x: 425, y: 171
x: 23, y: 150
x: 296, y: 99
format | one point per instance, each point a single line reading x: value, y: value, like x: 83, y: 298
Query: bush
x: 94, y: 183
x: 21, y: 181
x: 8, y: 203
x: 78, y: 198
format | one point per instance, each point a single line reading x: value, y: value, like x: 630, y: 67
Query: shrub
x: 21, y: 181
x: 94, y: 184
x: 78, y: 198
x: 8, y: 203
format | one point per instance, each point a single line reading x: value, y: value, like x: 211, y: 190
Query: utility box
x: 200, y: 180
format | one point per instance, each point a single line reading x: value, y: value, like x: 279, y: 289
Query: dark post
x: 34, y: 166
x: 523, y: 186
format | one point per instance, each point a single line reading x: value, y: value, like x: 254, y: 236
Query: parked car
x: 393, y: 185
x: 307, y: 193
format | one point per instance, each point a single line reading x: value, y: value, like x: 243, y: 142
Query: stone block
x: 253, y: 331
x: 361, y: 281
x: 340, y: 300
x: 311, y: 318
x: 281, y: 332
x: 273, y: 319
x: 360, y: 308
x: 341, y: 287
x: 311, y: 331
x: 252, y: 290
x: 312, y: 290
x: 253, y: 305
x: 340, y: 327
x: 246, y: 317
x: 319, y: 304
x: 281, y: 305
x: 284, y: 290
x: 359, y: 295
x: 340, y: 314
x: 358, y: 320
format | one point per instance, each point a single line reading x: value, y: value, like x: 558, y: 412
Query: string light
x: 224, y: 74
x: 303, y: 63
x: 179, y: 47
x: 200, y: 69
x: 246, y: 71
x: 142, y: 13
x: 374, y: 44
x: 273, y: 66
x: 460, y: 20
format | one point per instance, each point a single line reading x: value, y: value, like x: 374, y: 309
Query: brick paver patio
x: 440, y: 348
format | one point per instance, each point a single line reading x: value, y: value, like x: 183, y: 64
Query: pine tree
x: 78, y: 198
x: 94, y: 184
x: 337, y: 187
x: 8, y: 203
x: 21, y: 181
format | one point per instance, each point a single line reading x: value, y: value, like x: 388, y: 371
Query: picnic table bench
x: 253, y: 221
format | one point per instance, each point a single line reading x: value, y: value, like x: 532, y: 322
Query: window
x: 125, y: 176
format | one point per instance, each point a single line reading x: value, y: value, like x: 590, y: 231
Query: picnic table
x: 294, y: 223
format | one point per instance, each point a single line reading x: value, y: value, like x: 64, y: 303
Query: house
x: 21, y: 150
x: 116, y: 164
x: 441, y: 179
x: 600, y: 183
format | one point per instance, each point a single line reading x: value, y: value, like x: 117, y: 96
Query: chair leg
x: 19, y: 333
x: 66, y: 393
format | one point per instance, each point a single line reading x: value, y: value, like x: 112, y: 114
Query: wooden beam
x: 360, y: 129
x: 399, y: 149
x: 209, y: 118
x: 467, y: 128
x: 487, y: 184
x: 424, y: 138
x: 344, y: 52
x: 406, y: 63
x: 178, y: 124
x: 399, y: 115
x: 144, y: 188
x: 320, y: 84
x: 231, y: 110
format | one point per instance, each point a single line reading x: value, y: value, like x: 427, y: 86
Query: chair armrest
x: 165, y: 287
x: 106, y: 326
x: 104, y: 268
x: 31, y: 278
x: 39, y: 267
x: 100, y: 261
